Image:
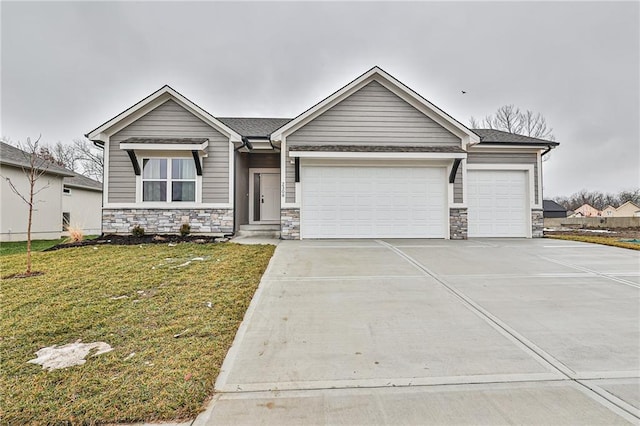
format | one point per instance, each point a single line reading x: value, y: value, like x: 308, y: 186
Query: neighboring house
x: 372, y: 160
x: 608, y: 211
x: 553, y: 209
x: 82, y: 203
x: 586, y: 210
x: 627, y: 209
x: 67, y: 196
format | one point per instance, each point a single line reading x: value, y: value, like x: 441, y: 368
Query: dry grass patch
x: 607, y: 241
x: 136, y: 299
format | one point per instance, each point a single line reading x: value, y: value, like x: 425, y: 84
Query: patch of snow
x: 124, y: 296
x: 597, y: 231
x: 172, y: 245
x: 56, y: 357
x: 198, y: 258
x: 131, y: 355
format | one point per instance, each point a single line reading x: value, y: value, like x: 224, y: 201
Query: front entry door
x: 264, y: 196
x: 269, y: 197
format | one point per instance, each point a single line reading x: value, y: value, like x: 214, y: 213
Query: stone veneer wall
x: 167, y: 221
x: 458, y: 224
x: 537, y: 224
x: 290, y: 224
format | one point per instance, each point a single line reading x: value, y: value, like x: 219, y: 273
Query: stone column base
x: 458, y: 224
x: 537, y: 224
x: 290, y: 224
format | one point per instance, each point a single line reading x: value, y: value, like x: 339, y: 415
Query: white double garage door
x: 408, y: 202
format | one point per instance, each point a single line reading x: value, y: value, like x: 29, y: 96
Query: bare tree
x: 598, y: 199
x: 37, y: 166
x: 509, y: 118
x: 80, y: 156
x: 90, y: 157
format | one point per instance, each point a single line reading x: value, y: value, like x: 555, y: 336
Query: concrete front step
x: 260, y: 231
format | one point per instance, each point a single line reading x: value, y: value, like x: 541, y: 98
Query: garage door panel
x: 373, y: 202
x: 497, y: 203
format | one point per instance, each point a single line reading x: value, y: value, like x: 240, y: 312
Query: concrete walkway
x: 441, y: 332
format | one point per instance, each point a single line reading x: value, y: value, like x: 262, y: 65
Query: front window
x: 168, y: 179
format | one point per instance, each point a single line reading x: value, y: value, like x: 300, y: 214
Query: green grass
x: 21, y: 246
x: 15, y: 247
x: 607, y: 241
x: 168, y: 378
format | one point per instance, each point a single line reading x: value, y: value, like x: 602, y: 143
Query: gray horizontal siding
x: 170, y: 120
x: 290, y: 179
x: 371, y: 116
x: 457, y: 186
x: 507, y: 158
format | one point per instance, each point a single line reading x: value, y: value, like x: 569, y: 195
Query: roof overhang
x: 103, y: 132
x: 379, y: 155
x: 257, y: 144
x: 467, y: 136
x: 199, y: 145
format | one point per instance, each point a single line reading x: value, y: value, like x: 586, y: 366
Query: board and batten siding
x: 507, y: 158
x: 170, y: 120
x: 371, y: 116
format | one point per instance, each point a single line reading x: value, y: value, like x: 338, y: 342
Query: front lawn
x: 15, y: 247
x: 169, y: 312
x: 607, y: 241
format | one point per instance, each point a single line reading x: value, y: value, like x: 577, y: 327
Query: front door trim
x: 252, y: 173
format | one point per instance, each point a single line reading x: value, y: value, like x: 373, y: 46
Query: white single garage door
x: 498, y: 205
x: 373, y: 202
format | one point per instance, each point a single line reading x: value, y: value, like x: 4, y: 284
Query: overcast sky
x: 68, y: 67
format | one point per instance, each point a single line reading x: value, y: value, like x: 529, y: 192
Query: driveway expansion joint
x: 522, y: 341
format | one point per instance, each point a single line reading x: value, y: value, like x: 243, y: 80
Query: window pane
x: 154, y: 191
x: 154, y: 168
x: 183, y: 168
x: 183, y: 191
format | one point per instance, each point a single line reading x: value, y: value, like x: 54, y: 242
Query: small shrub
x: 75, y: 234
x: 137, y: 231
x: 185, y: 229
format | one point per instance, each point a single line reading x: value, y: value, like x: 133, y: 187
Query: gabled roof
x: 489, y: 136
x: 160, y: 96
x: 628, y: 202
x: 390, y: 83
x: 80, y: 181
x: 552, y: 206
x: 12, y: 156
x: 260, y: 127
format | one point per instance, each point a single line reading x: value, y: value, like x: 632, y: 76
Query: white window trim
x: 378, y: 155
x: 156, y: 204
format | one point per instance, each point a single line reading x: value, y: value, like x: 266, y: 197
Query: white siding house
x: 82, y: 200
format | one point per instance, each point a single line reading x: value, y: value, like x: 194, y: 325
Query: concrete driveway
x: 440, y: 332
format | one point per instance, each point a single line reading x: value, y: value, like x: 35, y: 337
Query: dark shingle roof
x: 10, y: 155
x: 165, y: 140
x: 498, y: 136
x: 552, y: 206
x: 80, y: 181
x: 380, y: 148
x: 254, y: 126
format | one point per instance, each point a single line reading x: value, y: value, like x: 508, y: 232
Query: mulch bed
x: 130, y: 240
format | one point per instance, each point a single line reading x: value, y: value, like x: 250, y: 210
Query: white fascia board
x: 151, y: 102
x: 165, y: 146
x: 506, y: 148
x: 395, y: 86
x: 378, y: 155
